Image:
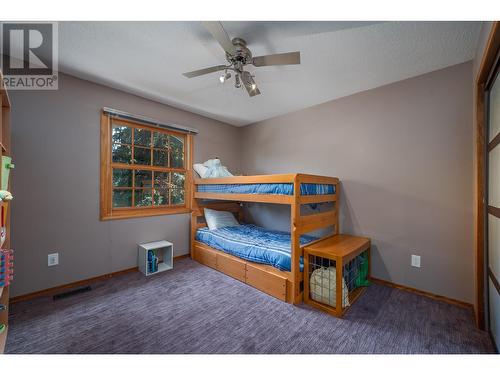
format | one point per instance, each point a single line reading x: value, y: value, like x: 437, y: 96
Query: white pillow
x: 219, y: 219
x: 215, y: 169
x: 200, y: 169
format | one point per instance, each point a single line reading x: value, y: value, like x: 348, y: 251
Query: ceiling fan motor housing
x: 242, y: 56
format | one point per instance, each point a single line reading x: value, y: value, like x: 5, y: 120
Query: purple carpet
x: 194, y: 309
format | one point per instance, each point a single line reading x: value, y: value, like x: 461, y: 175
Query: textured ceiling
x: 338, y: 59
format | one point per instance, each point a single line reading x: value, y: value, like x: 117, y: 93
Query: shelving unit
x: 5, y: 151
x: 164, y: 250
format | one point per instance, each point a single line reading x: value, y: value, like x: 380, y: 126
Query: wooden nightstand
x: 329, y: 287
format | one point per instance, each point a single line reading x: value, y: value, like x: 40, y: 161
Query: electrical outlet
x: 415, y: 261
x: 53, y: 259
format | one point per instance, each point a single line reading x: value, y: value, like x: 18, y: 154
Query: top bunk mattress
x: 253, y: 243
x: 278, y: 189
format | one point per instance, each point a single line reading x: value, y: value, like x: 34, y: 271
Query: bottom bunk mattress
x: 253, y: 243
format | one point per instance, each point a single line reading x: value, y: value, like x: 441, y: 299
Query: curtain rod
x: 149, y: 121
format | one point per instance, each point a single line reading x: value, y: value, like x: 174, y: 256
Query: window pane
x: 177, y: 151
x: 160, y: 158
x: 160, y: 140
x: 178, y: 180
x: 122, y: 134
x: 122, y: 177
x: 121, y: 153
x: 143, y: 197
x: 161, y: 180
x: 177, y: 196
x: 142, y: 137
x: 122, y: 198
x: 143, y: 178
x: 161, y: 197
x: 142, y: 155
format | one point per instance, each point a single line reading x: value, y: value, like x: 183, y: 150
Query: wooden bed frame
x: 280, y: 284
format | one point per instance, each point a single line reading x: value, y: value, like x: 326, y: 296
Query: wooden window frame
x: 107, y: 212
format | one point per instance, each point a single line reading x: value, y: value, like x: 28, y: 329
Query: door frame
x: 487, y: 64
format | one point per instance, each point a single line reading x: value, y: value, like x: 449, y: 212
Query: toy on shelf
x: 6, y: 267
x: 6, y: 167
x: 5, y: 196
x: 3, y: 235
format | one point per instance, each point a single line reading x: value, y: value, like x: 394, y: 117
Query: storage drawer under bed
x: 267, y: 282
x: 259, y: 276
x: 231, y: 266
x: 205, y: 256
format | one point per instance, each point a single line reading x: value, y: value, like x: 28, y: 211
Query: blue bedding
x: 253, y: 243
x: 280, y: 189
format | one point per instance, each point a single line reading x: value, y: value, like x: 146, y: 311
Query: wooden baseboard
x: 423, y: 293
x: 76, y: 284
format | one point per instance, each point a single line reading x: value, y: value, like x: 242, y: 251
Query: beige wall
x: 404, y: 155
x: 55, y: 140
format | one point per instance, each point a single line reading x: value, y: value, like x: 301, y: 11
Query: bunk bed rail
x: 283, y: 188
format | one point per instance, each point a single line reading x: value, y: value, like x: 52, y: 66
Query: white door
x: 493, y: 160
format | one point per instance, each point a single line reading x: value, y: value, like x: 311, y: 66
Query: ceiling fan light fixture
x: 225, y: 77
x: 237, y: 82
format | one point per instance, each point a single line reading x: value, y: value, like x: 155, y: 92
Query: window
x: 144, y: 170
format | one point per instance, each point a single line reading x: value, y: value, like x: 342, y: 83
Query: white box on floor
x: 163, y: 251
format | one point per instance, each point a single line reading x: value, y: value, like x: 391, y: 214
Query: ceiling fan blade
x: 288, y: 58
x: 196, y: 73
x: 249, y: 84
x: 215, y: 28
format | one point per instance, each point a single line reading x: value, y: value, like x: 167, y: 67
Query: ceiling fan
x: 238, y: 56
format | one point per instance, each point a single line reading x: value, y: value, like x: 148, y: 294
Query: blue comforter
x: 253, y: 243
x: 280, y: 189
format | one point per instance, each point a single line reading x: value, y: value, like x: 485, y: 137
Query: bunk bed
x: 277, y: 278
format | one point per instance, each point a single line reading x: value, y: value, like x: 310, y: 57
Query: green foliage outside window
x: 161, y: 185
